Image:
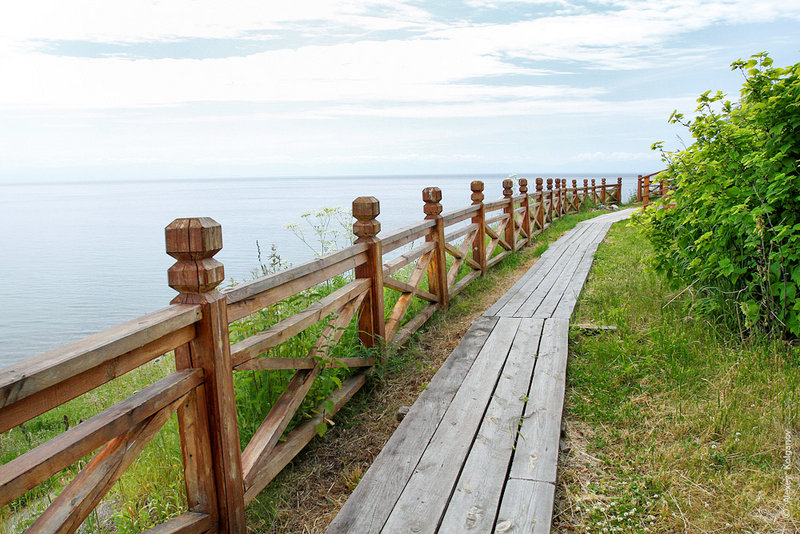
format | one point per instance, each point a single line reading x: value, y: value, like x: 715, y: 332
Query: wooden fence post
x: 639, y: 188
x: 585, y: 190
x: 594, y: 192
x: 195, y: 275
x: 619, y: 189
x: 575, y: 204
x: 511, y: 231
x: 549, y: 200
x: 645, y: 191
x: 563, y: 196
x: 540, y: 212
x: 559, y: 200
x: 437, y: 269
x: 371, y: 318
x: 526, y: 213
x: 603, y: 196
x: 479, y: 246
x: 663, y: 187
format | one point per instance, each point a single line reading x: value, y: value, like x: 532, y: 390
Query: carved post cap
x: 477, y: 191
x: 603, y: 181
x: 508, y: 186
x: 619, y: 180
x: 592, y: 182
x: 585, y: 182
x: 558, y: 183
x: 523, y: 186
x: 432, y: 196
x: 366, y: 211
x: 549, y: 183
x: 574, y: 184
x: 539, y: 184
x: 193, y: 242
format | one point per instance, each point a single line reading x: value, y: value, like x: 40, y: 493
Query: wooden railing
x: 219, y: 477
x: 647, y: 188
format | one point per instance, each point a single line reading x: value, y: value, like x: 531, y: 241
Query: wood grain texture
x: 188, y: 523
x: 536, y: 454
x: 423, y: 500
x: 527, y: 508
x: 371, y: 502
x: 36, y: 374
x: 475, y: 501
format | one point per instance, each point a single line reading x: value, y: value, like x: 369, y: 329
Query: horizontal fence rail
x: 647, y: 188
x: 446, y: 252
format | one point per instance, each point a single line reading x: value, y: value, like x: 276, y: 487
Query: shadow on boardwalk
x: 478, y: 450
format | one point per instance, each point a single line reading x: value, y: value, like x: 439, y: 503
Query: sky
x: 149, y: 89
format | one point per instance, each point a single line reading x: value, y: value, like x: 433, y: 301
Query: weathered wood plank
x: 30, y: 469
x: 255, y: 287
x: 536, y: 453
x: 403, y: 287
x: 273, y: 364
x: 475, y: 501
x: 468, y: 229
x: 371, y: 502
x: 298, y: 438
x: 61, y: 392
x: 459, y: 286
x: 455, y: 216
x: 188, y: 523
x: 50, y: 368
x: 527, y: 508
x: 425, y: 496
x: 405, y: 235
x: 406, y: 331
x: 404, y: 259
x: 278, y: 333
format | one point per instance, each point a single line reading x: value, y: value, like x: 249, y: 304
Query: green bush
x: 734, y: 232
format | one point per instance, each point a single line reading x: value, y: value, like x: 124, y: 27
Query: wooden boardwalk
x: 478, y: 450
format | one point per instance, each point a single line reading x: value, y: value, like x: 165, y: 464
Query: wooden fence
x: 219, y: 477
x: 647, y: 188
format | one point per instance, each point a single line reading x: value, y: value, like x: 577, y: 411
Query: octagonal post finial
x: 366, y: 211
x: 193, y: 243
x: 432, y: 196
x: 477, y: 191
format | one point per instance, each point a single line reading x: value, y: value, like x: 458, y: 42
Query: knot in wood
x: 523, y: 186
x: 508, y: 184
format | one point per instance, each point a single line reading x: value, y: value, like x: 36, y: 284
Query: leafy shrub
x: 735, y: 229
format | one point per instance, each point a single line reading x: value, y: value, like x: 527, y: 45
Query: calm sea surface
x: 82, y: 257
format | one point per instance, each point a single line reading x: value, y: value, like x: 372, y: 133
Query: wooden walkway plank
x: 527, y: 507
x: 371, y: 502
x: 422, y: 503
x: 548, y: 258
x: 536, y: 453
x: 475, y: 501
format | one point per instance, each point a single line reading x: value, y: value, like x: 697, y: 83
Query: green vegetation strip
x: 675, y: 422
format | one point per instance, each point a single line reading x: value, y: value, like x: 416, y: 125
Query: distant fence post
x: 526, y: 213
x: 663, y: 186
x: 594, y: 192
x: 585, y: 189
x: 208, y: 425
x: 646, y: 191
x: 575, y: 203
x: 540, y: 211
x: 437, y: 269
x: 371, y: 319
x: 639, y: 188
x: 563, y: 196
x: 511, y: 231
x: 603, y: 196
x: 619, y: 189
x: 479, y: 246
x: 549, y: 200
